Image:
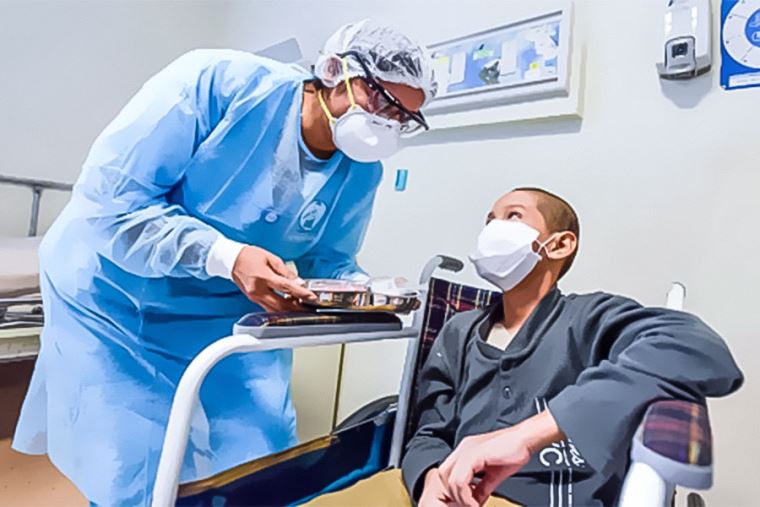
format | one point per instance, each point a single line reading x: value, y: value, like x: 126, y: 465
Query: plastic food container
x: 338, y: 293
x: 358, y: 296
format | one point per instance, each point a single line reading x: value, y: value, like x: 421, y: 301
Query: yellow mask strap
x: 324, y: 106
x: 348, y: 90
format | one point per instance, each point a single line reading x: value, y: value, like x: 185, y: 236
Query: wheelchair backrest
x: 445, y: 299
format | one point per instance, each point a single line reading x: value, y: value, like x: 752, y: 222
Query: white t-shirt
x: 499, y: 337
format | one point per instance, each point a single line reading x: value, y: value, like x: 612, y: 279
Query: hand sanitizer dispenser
x: 686, y: 44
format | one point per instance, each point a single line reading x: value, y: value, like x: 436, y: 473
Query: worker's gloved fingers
x: 292, y: 305
x: 274, y: 303
x: 268, y: 304
x: 293, y: 288
x: 280, y: 268
x: 271, y: 302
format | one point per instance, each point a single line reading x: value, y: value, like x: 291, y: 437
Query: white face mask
x: 361, y: 135
x: 365, y: 137
x: 504, y: 253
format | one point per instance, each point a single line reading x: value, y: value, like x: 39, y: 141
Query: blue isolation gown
x: 208, y: 146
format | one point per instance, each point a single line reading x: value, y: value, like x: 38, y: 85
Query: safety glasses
x: 383, y: 103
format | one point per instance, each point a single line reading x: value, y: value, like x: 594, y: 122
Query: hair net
x: 390, y: 55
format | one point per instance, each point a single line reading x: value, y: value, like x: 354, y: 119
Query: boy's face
x: 522, y: 206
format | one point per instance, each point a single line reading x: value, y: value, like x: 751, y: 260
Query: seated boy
x: 536, y: 399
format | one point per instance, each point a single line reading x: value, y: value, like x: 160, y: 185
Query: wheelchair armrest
x: 288, y: 324
x: 674, y: 439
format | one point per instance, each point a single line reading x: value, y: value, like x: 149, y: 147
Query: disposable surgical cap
x: 389, y: 54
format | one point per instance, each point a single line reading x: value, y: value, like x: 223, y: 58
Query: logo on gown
x: 312, y: 215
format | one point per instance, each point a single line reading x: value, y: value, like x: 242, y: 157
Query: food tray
x: 352, y: 296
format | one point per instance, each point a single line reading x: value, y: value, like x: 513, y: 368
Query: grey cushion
x: 675, y: 439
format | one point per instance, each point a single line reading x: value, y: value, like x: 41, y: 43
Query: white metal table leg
x: 178, y: 428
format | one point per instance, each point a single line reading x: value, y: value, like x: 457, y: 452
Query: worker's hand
x: 259, y: 273
x: 434, y: 491
x: 493, y: 457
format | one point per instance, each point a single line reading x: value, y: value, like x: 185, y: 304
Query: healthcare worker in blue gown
x: 221, y: 169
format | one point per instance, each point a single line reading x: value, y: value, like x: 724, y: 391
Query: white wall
x: 67, y: 68
x: 665, y: 177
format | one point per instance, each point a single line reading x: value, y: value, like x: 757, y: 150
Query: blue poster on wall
x: 508, y: 57
x: 740, y: 44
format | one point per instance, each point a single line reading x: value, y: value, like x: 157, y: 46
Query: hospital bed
x: 20, y: 303
x: 672, y: 446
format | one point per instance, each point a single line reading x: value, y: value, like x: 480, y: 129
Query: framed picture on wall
x: 524, y: 60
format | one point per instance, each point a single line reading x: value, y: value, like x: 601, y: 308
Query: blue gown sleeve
x: 334, y: 255
x: 640, y: 355
x: 141, y: 156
